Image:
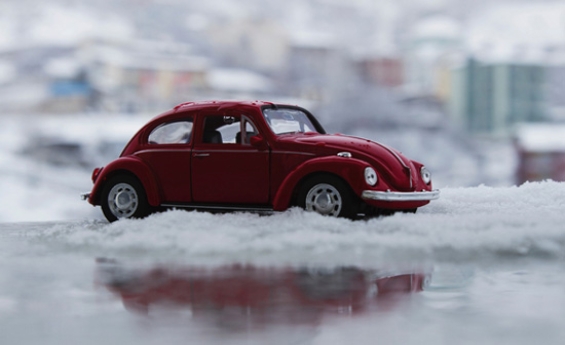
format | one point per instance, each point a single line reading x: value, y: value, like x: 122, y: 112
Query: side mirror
x: 259, y: 142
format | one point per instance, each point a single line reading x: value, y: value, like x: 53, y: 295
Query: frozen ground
x: 494, y: 255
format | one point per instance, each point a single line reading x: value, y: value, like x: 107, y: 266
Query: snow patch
x: 464, y: 224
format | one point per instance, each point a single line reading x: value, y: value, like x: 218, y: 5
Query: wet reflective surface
x: 245, y: 296
x: 196, y: 278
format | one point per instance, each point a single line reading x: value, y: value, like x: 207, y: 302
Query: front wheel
x: 124, y: 197
x: 327, y: 195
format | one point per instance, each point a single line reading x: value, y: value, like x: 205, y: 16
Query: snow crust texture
x: 478, y: 223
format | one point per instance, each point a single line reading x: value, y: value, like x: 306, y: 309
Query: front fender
x: 349, y: 169
x: 131, y: 165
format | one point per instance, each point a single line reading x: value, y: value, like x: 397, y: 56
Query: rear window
x: 172, y: 133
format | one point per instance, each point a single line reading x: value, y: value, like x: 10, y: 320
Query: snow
x: 494, y: 255
x: 89, y: 129
x: 437, y: 27
x: 64, y: 68
x: 517, y: 32
x: 313, y: 40
x: 464, y: 222
x: 542, y: 137
x: 233, y: 79
x: 7, y: 72
x: 33, y: 189
x: 28, y: 94
x: 65, y: 26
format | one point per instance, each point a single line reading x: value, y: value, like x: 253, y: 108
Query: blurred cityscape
x: 475, y: 91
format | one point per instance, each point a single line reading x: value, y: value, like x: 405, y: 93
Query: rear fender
x: 351, y: 170
x: 127, y: 165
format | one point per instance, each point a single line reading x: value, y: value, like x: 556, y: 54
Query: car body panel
x: 234, y: 175
x: 390, y: 163
x: 171, y: 167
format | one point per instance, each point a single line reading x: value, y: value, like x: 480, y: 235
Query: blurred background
x: 475, y: 90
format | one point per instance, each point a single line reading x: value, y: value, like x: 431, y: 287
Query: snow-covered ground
x: 494, y: 256
x: 476, y: 224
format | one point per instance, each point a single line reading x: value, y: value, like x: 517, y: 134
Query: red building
x: 541, y: 152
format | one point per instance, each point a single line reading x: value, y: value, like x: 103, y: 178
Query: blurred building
x: 317, y: 68
x: 258, y: 44
x: 117, y: 76
x: 514, y: 68
x: 555, y: 78
x: 42, y: 78
x: 427, y: 52
x: 381, y: 71
x: 141, y: 75
x: 489, y: 98
x: 541, y: 152
x: 238, y: 83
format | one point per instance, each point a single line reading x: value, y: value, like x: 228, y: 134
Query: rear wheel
x: 327, y: 195
x: 123, y: 196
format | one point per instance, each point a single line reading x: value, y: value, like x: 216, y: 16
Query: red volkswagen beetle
x: 255, y: 156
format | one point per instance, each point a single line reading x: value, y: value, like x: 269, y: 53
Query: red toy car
x: 255, y: 156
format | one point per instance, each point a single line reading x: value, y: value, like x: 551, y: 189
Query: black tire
x: 410, y: 210
x: 327, y: 195
x: 123, y: 196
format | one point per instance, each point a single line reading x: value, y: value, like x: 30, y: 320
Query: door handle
x: 200, y: 155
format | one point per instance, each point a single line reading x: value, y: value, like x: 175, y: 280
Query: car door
x: 226, y: 168
x: 168, y: 153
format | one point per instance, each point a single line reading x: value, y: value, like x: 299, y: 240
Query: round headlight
x: 370, y: 176
x: 426, y: 175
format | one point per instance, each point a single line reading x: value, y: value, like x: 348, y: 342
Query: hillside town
x: 448, y: 84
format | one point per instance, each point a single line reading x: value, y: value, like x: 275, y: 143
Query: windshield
x: 285, y: 120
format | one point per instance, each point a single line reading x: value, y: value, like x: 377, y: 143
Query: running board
x: 251, y: 208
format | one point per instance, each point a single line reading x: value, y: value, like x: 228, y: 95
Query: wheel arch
x: 130, y: 167
x: 348, y: 170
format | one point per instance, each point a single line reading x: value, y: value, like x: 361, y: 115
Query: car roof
x: 219, y: 105
x: 210, y: 105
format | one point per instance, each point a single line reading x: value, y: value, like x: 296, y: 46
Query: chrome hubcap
x: 123, y: 200
x: 324, y: 199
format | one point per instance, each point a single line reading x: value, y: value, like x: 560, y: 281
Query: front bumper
x: 400, y: 196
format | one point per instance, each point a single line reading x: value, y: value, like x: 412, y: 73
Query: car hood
x: 390, y: 164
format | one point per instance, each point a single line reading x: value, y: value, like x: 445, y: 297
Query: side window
x: 221, y: 129
x: 228, y: 129
x: 250, y: 130
x: 172, y: 133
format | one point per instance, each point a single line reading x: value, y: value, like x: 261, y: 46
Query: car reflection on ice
x: 244, y: 295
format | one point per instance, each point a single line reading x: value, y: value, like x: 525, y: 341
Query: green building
x: 489, y: 98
